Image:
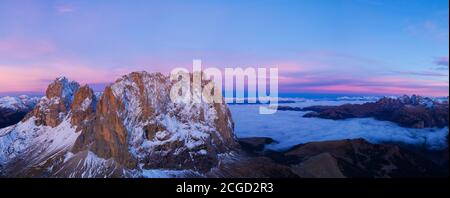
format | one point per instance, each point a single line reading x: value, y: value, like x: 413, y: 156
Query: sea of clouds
x: 289, y: 128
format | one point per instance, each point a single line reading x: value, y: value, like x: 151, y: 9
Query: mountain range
x: 133, y: 129
x: 407, y: 111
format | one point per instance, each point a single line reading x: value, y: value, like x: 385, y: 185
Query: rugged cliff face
x: 51, y: 109
x: 136, y: 123
x: 83, y: 108
x: 131, y: 127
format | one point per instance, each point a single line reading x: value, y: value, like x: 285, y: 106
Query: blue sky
x: 320, y: 46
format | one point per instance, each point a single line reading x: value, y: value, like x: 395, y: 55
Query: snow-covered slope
x: 22, y: 102
x: 43, y: 135
x: 26, y: 146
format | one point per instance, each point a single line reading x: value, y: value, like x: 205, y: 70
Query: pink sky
x: 307, y: 78
x: 371, y: 51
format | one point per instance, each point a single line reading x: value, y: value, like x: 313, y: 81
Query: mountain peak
x: 62, y: 89
x: 137, y: 123
x: 61, y: 78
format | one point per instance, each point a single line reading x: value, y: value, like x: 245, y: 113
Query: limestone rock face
x: 83, y: 108
x: 52, y: 108
x: 106, y: 136
x: 137, y: 123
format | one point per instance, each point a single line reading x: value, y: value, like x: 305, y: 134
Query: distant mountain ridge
x: 408, y: 111
x: 13, y: 109
x: 18, y: 103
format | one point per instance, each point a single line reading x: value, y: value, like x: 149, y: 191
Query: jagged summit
x: 63, y: 89
x: 54, y: 106
x: 133, y: 125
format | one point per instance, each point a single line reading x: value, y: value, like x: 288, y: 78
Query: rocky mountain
x: 131, y: 128
x: 13, y: 109
x: 407, y: 111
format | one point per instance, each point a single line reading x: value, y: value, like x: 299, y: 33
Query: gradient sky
x: 368, y: 47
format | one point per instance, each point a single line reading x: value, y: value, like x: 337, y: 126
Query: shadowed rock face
x: 358, y: 158
x: 83, y: 108
x: 255, y: 144
x: 413, y: 112
x: 349, y: 158
x: 106, y: 136
x: 9, y: 116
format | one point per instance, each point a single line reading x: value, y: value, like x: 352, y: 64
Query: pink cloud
x: 62, y: 9
x: 383, y: 85
x: 290, y: 67
x: 381, y: 90
x: 24, y: 48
